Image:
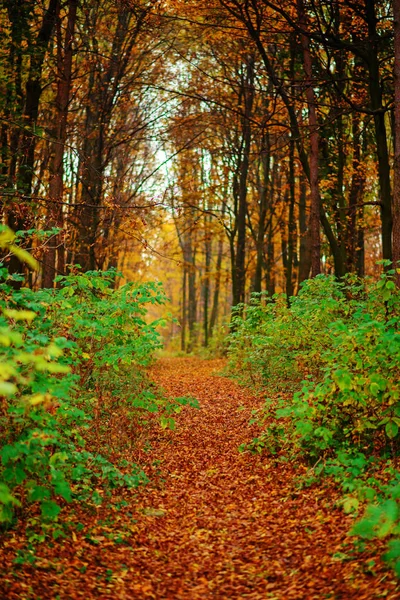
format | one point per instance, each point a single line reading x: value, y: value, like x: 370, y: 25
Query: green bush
x: 333, y: 355
x: 64, y: 353
x: 274, y: 344
x: 338, y: 345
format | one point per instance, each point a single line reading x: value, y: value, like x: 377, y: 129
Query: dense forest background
x: 227, y: 147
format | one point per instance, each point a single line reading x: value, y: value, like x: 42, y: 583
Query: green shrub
x: 275, y: 345
x: 334, y: 357
x: 64, y: 353
x: 339, y: 347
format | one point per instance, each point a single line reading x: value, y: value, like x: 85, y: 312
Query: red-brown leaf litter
x: 212, y: 523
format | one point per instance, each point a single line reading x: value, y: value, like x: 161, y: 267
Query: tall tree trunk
x: 270, y: 262
x: 291, y: 224
x: 265, y: 164
x: 54, y: 259
x: 340, y: 204
x: 217, y: 282
x: 217, y: 286
x: 33, y: 93
x: 184, y: 308
x: 104, y: 87
x: 240, y: 268
x: 355, y: 211
x: 375, y: 92
x: 187, y: 244
x: 310, y: 170
x: 206, y: 280
x: 91, y: 178
x: 396, y: 195
x: 232, y: 254
x: 305, y: 247
x: 192, y: 303
x: 23, y: 144
x: 314, y: 148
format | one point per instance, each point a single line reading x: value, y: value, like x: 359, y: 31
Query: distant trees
x: 77, y: 102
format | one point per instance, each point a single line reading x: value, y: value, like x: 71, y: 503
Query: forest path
x: 234, y: 525
x: 212, y: 523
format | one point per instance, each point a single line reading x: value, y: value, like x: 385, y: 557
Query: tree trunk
x: 291, y: 225
x: 184, y: 309
x: 375, y: 92
x: 104, y: 87
x: 270, y: 262
x: 314, y: 148
x: 206, y: 279
x: 355, y: 212
x: 396, y: 195
x: 53, y: 259
x: 240, y: 268
x: 33, y: 93
x: 305, y: 247
x: 217, y: 287
x: 192, y: 303
x: 309, y: 170
x: 265, y: 164
x: 18, y: 214
x: 217, y: 283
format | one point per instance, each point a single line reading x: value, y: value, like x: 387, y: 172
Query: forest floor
x: 212, y: 523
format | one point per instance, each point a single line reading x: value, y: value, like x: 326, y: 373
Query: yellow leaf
x: 19, y: 315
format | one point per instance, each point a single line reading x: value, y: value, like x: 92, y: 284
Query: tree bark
x: 217, y: 282
x: 265, y: 165
x: 53, y: 259
x: 314, y: 148
x: 396, y: 195
x: 104, y: 86
x: 375, y: 92
x: 291, y: 225
x: 23, y: 142
x: 240, y: 268
x: 33, y: 93
x: 305, y: 246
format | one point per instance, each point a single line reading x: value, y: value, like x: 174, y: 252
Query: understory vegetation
x: 72, y: 365
x: 330, y: 359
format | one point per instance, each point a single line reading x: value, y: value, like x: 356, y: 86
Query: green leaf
x: 6, y: 513
x: 374, y: 389
x: 9, y: 453
x: 50, y: 509
x: 391, y: 429
x: 6, y: 496
x: 6, y: 236
x: 393, y: 552
x: 167, y: 422
x: 53, y: 367
x: 363, y: 529
x: 343, y: 379
x: 62, y: 488
x: 39, y: 493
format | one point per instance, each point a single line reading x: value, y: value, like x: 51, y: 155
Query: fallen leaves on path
x: 212, y: 524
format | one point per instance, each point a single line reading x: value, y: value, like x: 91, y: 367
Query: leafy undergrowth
x: 333, y: 357
x: 211, y: 523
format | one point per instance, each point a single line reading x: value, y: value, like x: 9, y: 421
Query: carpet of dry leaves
x: 212, y: 524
